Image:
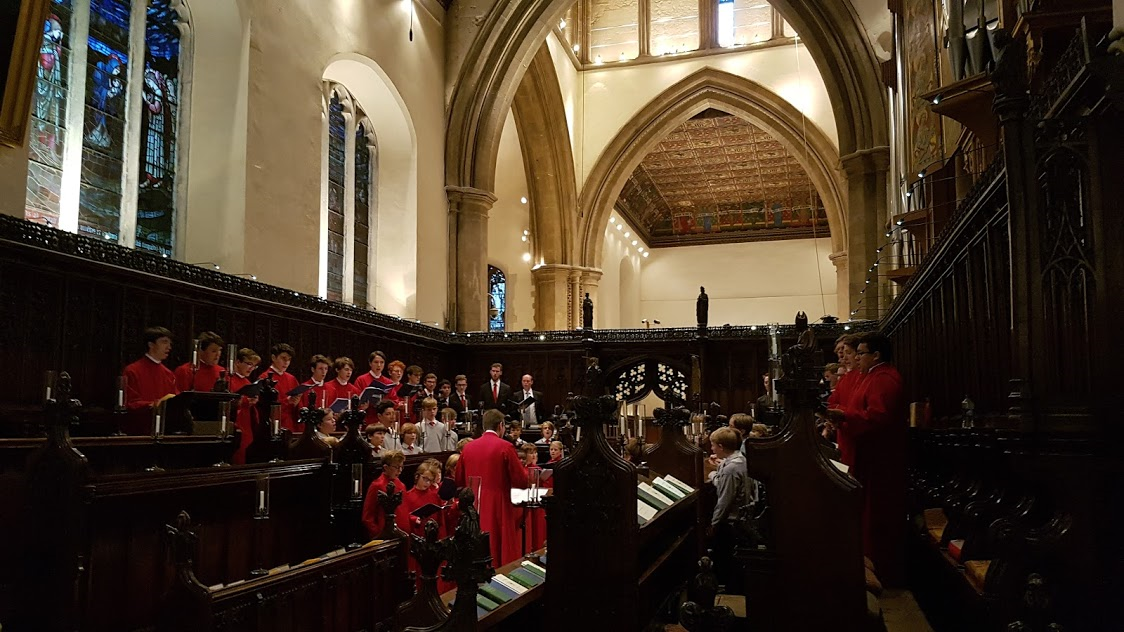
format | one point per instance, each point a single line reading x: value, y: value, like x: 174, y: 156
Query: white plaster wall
x: 618, y: 292
x: 291, y: 45
x: 215, y: 210
x: 13, y: 179
x: 877, y: 21
x: 751, y: 283
x: 570, y: 81
x: 507, y: 220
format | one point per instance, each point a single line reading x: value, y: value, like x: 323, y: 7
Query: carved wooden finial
x: 699, y: 614
x: 389, y: 501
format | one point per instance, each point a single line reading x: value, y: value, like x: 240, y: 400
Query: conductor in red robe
x: 497, y: 465
x: 148, y: 382
x: 875, y: 422
x: 206, y: 370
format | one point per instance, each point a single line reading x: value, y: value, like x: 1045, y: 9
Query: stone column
x: 552, y: 292
x: 468, y: 266
x: 866, y: 172
x: 575, y: 299
x: 842, y: 288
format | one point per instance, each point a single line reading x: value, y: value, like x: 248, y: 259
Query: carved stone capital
x: 469, y: 200
x: 865, y: 161
x: 838, y: 259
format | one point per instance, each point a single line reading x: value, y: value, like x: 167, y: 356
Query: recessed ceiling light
x: 522, y: 200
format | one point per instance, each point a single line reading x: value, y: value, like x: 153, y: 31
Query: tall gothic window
x: 102, y: 157
x: 352, y: 168
x: 337, y: 183
x: 497, y: 299
x: 364, y: 147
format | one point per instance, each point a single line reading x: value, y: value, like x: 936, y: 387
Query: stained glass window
x: 159, y: 115
x: 362, y: 212
x: 497, y: 299
x: 103, y: 137
x: 48, y: 118
x: 77, y: 173
x: 337, y: 169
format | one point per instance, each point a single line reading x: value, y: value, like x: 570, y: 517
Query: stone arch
x: 708, y: 88
x: 540, y: 119
x: 512, y: 32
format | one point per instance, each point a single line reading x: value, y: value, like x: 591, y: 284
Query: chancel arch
x: 386, y: 127
x: 717, y: 90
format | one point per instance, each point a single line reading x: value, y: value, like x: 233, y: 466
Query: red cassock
x: 205, y: 377
x: 843, y: 397
x: 413, y: 525
x: 365, y: 380
x: 146, y: 381
x: 876, y: 423
x: 374, y: 518
x: 534, y: 529
x: 341, y: 391
x: 495, y: 462
x: 285, y: 383
x: 245, y: 418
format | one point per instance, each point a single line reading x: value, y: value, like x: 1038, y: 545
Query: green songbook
x: 494, y: 594
x: 651, y: 500
x: 525, y: 577
x: 669, y: 490
x: 486, y: 603
x: 685, y: 488
x: 534, y: 568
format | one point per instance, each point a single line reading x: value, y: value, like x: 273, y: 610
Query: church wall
x: 749, y: 283
x: 570, y: 84
x: 290, y: 47
x: 507, y: 220
x: 618, y: 292
x: 13, y: 180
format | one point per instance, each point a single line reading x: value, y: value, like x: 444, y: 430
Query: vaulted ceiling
x: 718, y: 178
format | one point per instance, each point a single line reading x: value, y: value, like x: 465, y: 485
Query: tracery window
x: 102, y: 151
x: 497, y: 299
x: 350, y: 211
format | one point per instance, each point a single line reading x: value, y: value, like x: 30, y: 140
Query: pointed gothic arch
x: 708, y: 88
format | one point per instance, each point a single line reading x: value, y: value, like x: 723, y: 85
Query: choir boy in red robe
x: 845, y: 388
x: 875, y: 423
x: 374, y: 518
x: 534, y: 526
x: 341, y: 387
x: 281, y: 356
x: 319, y: 365
x: 424, y: 492
x: 377, y: 362
x: 394, y: 371
x: 206, y: 371
x: 247, y: 416
x: 148, y: 382
x: 495, y: 462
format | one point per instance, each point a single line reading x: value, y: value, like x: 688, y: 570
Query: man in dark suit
x: 535, y: 413
x: 494, y: 393
x: 459, y: 399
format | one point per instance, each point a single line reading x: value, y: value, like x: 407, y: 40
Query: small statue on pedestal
x: 587, y: 313
x: 702, y: 310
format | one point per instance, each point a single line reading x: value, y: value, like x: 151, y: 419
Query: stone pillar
x: 468, y: 264
x: 866, y: 172
x: 842, y: 288
x: 575, y: 299
x: 552, y: 294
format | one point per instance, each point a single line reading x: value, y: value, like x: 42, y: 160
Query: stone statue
x: 702, y: 309
x: 797, y: 359
x: 587, y: 312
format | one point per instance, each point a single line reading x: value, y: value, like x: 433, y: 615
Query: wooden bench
x: 341, y: 591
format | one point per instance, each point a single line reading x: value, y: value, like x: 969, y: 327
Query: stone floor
x: 901, y: 612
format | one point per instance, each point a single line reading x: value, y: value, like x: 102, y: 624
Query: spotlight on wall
x: 562, y: 23
x: 523, y: 200
x: 577, y: 47
x: 627, y: 234
x: 252, y: 277
x: 634, y: 242
x: 206, y: 263
x: 620, y: 226
x: 646, y: 255
x: 527, y: 257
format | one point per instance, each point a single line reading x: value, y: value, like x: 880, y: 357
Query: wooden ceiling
x: 718, y: 178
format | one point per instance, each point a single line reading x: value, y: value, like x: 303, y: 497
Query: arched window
x: 350, y: 213
x: 497, y: 299
x: 337, y: 184
x: 364, y: 190
x: 102, y: 153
